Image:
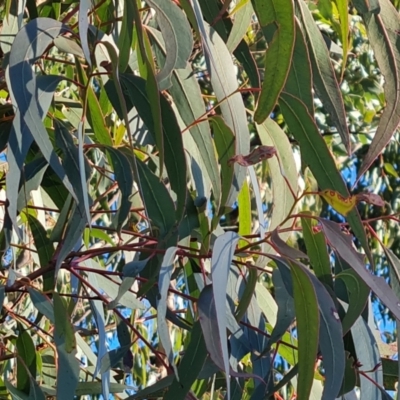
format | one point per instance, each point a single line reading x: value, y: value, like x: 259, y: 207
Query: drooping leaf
x: 367, y: 6
x: 276, y: 18
x: 307, y: 316
x: 299, y: 79
x: 125, y: 36
x: 343, y: 9
x: 164, y: 280
x: 324, y: 78
x: 224, y: 82
x: 186, y: 94
x: 342, y: 243
x: 382, y: 31
x: 318, y: 157
x: 124, y: 176
x: 358, y: 293
x: 225, y: 144
x: 367, y: 354
x: 209, y: 327
x: 99, y: 317
x: 42, y: 303
x: 84, y: 7
x: 178, y: 39
x: 160, y: 207
x: 44, y: 248
x: 24, y: 89
x: 72, y: 165
x: 283, y: 172
x: 223, y: 252
x: 20, y: 139
x: 73, y: 232
x: 26, y: 361
x: 317, y: 251
x: 240, y: 25
x: 64, y: 338
x: 175, y: 160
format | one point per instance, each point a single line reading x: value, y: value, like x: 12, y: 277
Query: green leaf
x: 94, y: 114
x: 276, y: 18
x: 160, y: 207
x: 190, y: 365
x: 317, y: 251
x: 343, y: 9
x: 186, y: 94
x: 240, y: 25
x: 365, y: 6
x: 325, y: 82
x: 225, y: 143
x: 164, y: 280
x: 175, y: 160
x: 383, y: 36
x: 73, y: 232
x: 125, y: 35
x: 178, y: 39
x: 318, y: 157
x: 224, y: 82
x: 83, y: 23
x: 343, y: 244
x: 29, y: 44
x: 72, y: 164
x: 44, y: 248
x: 64, y: 338
x: 26, y: 360
x: 42, y: 303
x: 272, y: 135
x: 307, y: 316
x: 221, y: 259
x: 299, y: 79
x: 124, y: 177
x: 358, y: 293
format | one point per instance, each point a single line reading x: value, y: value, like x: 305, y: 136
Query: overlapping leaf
x: 383, y: 35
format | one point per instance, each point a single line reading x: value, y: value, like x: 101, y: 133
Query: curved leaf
x: 83, y: 22
x: 160, y: 207
x: 29, y: 45
x: 224, y: 82
x: 186, y: 93
x: 276, y: 18
x: 318, y: 157
x: 299, y: 79
x: 67, y: 364
x: 325, y: 82
x: 383, y: 35
x: 223, y: 251
x: 308, y: 323
x: 26, y: 361
x: 240, y: 25
x: 21, y: 138
x: 175, y: 160
x: 164, y: 280
x: 225, y: 143
x: 178, y: 39
x: 358, y: 293
x: 342, y: 243
x: 124, y: 176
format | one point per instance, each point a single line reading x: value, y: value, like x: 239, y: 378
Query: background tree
x: 199, y: 199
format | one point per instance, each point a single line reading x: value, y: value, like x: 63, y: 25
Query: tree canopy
x: 199, y: 199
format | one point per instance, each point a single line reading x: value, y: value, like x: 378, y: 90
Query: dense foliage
x: 199, y: 199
